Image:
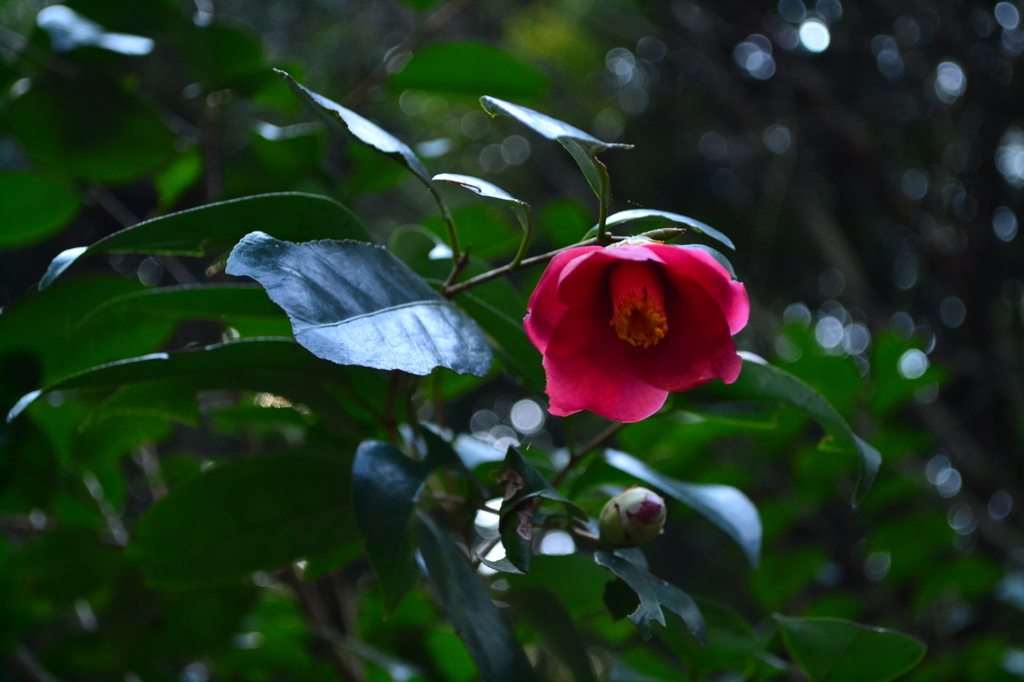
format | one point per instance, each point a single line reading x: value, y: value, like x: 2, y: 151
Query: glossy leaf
x: 478, y: 186
x: 723, y: 505
x: 469, y: 67
x: 216, y: 227
x: 520, y: 484
x: 276, y: 365
x: 545, y: 611
x: 363, y: 130
x: 250, y: 515
x: 583, y: 147
x: 34, y: 207
x: 648, y: 219
x: 631, y: 567
x: 386, y: 484
x: 835, y: 650
x: 477, y: 620
x: 356, y: 304
x: 762, y: 380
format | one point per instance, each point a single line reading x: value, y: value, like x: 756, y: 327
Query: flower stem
x: 594, y: 444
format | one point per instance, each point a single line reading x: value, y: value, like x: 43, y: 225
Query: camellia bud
x: 633, y: 517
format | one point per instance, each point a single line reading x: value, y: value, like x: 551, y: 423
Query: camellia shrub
x: 352, y: 446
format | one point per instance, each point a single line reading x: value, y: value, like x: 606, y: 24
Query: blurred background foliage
x: 867, y: 159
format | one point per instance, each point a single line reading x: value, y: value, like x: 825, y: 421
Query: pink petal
x: 545, y: 310
x: 700, y: 266
x: 697, y: 347
x: 585, y: 278
x: 588, y: 368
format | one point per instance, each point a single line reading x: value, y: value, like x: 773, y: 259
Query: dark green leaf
x: 386, y: 484
x: 366, y: 132
x: 216, y: 227
x: 520, y: 484
x: 631, y: 567
x: 88, y: 129
x: 762, y: 380
x: 835, y: 650
x: 648, y: 219
x: 356, y: 304
x: 546, y: 612
x: 34, y: 208
x: 469, y: 67
x: 723, y: 505
x: 251, y: 515
x: 276, y: 365
x: 47, y: 326
x: 228, y: 302
x: 480, y: 625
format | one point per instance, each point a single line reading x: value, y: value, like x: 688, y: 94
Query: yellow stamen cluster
x: 639, y: 323
x: 638, y: 298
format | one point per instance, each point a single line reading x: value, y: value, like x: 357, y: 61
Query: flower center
x: 638, y: 300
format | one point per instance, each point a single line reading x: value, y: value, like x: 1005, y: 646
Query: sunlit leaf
x: 583, y: 147
x: 723, y: 505
x: 214, y: 228
x: 245, y: 516
x: 356, y: 304
x: 363, y: 130
x: 643, y: 219
x: 477, y: 620
x: 835, y: 650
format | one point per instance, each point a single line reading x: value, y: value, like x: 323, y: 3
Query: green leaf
x: 480, y: 625
x: 631, y: 567
x: 520, y: 484
x: 275, y: 365
x: 478, y: 186
x: 188, y: 302
x: 250, y: 515
x: 216, y: 227
x: 47, y: 326
x: 723, y: 505
x: 363, y: 130
x: 34, y: 208
x: 583, y: 147
x: 88, y: 129
x: 470, y: 67
x: 545, y: 611
x: 648, y: 219
x: 356, y: 304
x: 386, y: 484
x: 835, y: 650
x: 762, y: 380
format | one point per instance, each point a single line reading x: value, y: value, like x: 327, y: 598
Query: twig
x: 321, y: 627
x: 453, y: 290
x: 594, y: 444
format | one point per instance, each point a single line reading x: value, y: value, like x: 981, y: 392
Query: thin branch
x: 320, y: 626
x: 453, y: 290
x: 594, y: 444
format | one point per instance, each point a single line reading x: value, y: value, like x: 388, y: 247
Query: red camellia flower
x: 620, y: 327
